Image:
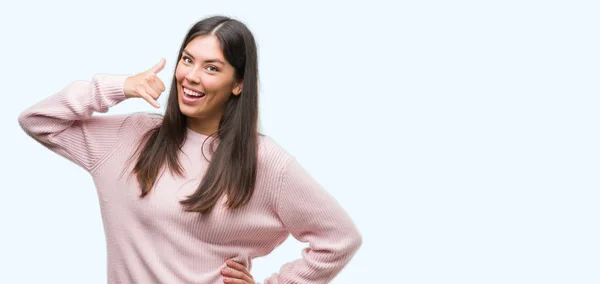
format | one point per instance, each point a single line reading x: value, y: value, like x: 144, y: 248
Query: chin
x: 187, y: 111
x: 190, y: 112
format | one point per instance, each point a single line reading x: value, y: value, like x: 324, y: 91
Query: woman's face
x: 205, y: 80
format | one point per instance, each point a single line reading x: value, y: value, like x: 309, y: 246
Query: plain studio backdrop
x: 461, y: 136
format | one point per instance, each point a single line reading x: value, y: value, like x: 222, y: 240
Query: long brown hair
x: 233, y: 164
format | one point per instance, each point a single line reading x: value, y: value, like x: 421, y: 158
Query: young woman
x: 192, y: 196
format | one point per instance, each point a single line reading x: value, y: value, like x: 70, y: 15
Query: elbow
x: 27, y: 121
x: 23, y: 119
x: 356, y: 241
x: 348, y: 243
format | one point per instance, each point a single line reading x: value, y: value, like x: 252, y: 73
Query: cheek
x: 216, y: 85
x: 179, y: 74
x: 210, y: 84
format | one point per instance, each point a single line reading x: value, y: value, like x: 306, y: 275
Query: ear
x: 237, y: 89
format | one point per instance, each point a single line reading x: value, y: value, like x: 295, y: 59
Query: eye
x: 186, y: 59
x: 212, y: 68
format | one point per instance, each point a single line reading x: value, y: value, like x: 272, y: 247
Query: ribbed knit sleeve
x: 312, y: 215
x: 65, y: 124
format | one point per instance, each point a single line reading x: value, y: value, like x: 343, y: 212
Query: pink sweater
x: 152, y: 240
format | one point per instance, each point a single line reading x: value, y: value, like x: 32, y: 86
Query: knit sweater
x: 152, y: 239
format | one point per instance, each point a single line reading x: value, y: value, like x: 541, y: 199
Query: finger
x: 150, y: 91
x: 156, y: 84
x: 159, y: 66
x: 151, y: 88
x: 149, y: 99
x: 238, y: 266
x: 161, y: 85
x: 234, y: 281
x: 236, y: 274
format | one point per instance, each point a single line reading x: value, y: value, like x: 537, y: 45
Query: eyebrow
x: 206, y: 61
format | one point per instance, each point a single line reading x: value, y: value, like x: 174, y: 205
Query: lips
x: 191, y: 96
x: 192, y: 92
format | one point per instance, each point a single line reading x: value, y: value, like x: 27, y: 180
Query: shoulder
x: 272, y: 156
x: 138, y: 123
x: 146, y: 119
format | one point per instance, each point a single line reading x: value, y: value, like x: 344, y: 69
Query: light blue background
x: 461, y: 136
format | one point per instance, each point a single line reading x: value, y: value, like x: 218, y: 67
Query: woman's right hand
x: 146, y: 85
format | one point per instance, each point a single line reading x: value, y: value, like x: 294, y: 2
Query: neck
x: 203, y: 126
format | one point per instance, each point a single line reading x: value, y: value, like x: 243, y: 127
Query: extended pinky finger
x: 150, y: 100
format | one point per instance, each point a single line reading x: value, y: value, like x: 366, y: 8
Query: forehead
x: 205, y: 47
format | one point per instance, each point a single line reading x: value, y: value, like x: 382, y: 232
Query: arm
x: 312, y: 215
x: 65, y: 124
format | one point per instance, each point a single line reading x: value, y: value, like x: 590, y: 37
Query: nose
x: 193, y: 77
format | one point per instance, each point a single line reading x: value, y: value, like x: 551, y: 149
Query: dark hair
x: 233, y: 163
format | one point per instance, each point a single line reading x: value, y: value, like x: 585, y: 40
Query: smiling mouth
x: 192, y: 93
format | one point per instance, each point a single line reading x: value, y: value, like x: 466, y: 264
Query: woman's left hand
x: 236, y: 274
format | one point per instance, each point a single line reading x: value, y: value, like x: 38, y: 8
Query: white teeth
x: 192, y: 93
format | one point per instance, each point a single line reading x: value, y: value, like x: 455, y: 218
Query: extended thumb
x: 159, y: 66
